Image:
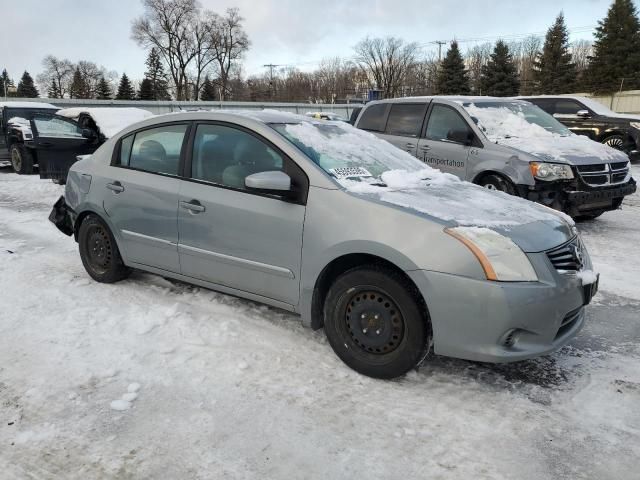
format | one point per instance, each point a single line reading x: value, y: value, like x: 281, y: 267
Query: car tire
x: 496, y: 182
x: 99, y: 251
x: 614, y: 141
x: 21, y: 159
x: 376, y: 322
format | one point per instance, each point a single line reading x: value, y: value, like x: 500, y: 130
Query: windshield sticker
x: 349, y: 172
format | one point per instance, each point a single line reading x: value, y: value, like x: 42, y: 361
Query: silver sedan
x: 393, y: 258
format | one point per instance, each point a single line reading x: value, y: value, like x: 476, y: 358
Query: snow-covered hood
x: 453, y: 202
x: 21, y: 124
x: 571, y: 149
x: 110, y: 121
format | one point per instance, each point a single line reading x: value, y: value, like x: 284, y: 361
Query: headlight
x: 635, y: 125
x: 550, y: 171
x: 501, y: 259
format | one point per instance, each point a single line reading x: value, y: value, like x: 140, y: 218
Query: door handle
x: 194, y: 206
x: 426, y: 148
x: 115, y: 187
x: 410, y: 145
x: 46, y: 144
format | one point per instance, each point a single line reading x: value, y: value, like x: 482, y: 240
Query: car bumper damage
x: 575, y: 199
x: 62, y: 217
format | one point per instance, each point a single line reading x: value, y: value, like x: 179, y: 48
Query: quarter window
x: 154, y: 150
x: 405, y: 119
x: 373, y: 118
x: 443, y: 121
x: 226, y: 156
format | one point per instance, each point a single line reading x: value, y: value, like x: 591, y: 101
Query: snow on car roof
x: 27, y: 105
x: 109, y: 120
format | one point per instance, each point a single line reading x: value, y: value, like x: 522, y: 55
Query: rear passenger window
x: 405, y: 119
x: 373, y: 118
x: 155, y: 150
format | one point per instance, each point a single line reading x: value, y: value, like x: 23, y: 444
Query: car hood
x: 446, y: 199
x: 569, y: 149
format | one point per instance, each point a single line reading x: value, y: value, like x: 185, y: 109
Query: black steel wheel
x: 99, y: 252
x: 497, y: 182
x: 376, y: 322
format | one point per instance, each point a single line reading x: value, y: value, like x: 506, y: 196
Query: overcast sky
x: 293, y: 32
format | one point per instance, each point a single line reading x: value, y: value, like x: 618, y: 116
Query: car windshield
x: 346, y: 152
x: 513, y: 119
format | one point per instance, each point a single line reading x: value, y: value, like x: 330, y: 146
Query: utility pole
x: 271, y: 66
x: 439, y: 43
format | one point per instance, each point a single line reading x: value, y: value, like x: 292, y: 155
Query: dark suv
x: 586, y: 116
x: 15, y: 128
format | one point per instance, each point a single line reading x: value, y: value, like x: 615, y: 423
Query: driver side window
x: 55, y: 127
x: 444, y: 120
x: 226, y: 156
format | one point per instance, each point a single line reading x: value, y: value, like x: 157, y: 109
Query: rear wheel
x: 99, y: 252
x: 21, y: 159
x: 496, y: 182
x: 376, y: 323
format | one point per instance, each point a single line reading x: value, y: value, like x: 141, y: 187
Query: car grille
x: 604, y: 173
x: 568, y: 257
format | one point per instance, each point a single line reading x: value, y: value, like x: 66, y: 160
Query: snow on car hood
x: 21, y: 124
x: 459, y: 203
x: 505, y: 127
x: 109, y: 120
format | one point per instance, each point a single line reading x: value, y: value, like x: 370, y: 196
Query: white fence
x: 158, y: 107
x: 623, y: 102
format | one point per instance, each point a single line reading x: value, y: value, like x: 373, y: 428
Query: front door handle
x: 115, y: 187
x: 194, y: 206
x: 426, y: 148
x: 410, y: 145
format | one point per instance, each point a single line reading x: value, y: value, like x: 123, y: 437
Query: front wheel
x: 376, y: 323
x: 496, y: 182
x: 99, y: 252
x: 21, y: 159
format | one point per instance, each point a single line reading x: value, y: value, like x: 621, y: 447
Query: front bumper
x: 502, y: 322
x: 576, y: 199
x: 63, y: 217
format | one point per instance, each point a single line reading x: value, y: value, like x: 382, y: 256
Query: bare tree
x: 169, y: 25
x: 529, y: 49
x: 581, y: 50
x: 229, y: 42
x: 476, y: 58
x: 57, y: 72
x: 92, y: 73
x: 386, y: 62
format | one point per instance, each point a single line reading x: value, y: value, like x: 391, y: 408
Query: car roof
x: 450, y: 98
x: 33, y: 105
x: 263, y: 116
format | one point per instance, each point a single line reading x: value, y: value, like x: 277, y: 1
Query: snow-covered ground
x: 150, y: 379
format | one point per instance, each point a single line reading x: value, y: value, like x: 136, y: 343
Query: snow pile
x: 127, y: 399
x: 401, y: 179
x: 502, y: 125
x: 109, y: 120
x: 587, y: 276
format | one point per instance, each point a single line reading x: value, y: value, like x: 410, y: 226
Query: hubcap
x: 614, y: 142
x: 98, y: 249
x: 490, y: 186
x: 16, y: 159
x: 374, y: 322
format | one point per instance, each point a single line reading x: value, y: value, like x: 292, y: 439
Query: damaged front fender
x: 62, y: 216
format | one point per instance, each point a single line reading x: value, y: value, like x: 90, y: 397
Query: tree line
x: 197, y: 54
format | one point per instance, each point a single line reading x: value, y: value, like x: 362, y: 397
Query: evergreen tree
x: 104, y: 90
x: 26, y: 87
x: 5, y: 83
x: 79, y: 87
x: 208, y: 93
x: 453, y: 78
x: 499, y: 77
x: 156, y: 75
x: 125, y: 89
x: 616, y: 50
x: 54, y: 90
x: 553, y: 70
x: 146, y: 90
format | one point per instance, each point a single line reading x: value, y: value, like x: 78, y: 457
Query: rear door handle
x: 426, y: 148
x: 410, y: 145
x: 115, y: 187
x: 194, y: 206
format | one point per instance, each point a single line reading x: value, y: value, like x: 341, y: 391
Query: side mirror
x: 465, y: 137
x: 88, y: 133
x: 583, y: 113
x: 274, y: 182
